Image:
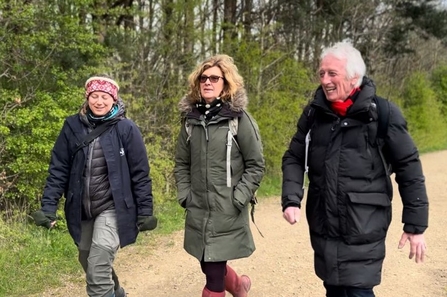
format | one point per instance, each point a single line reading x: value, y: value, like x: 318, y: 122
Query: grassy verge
x: 33, y: 259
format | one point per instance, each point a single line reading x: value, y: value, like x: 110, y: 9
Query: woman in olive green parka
x: 218, y: 167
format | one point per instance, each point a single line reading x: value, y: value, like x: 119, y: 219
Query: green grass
x: 171, y: 217
x: 32, y: 259
x: 270, y: 186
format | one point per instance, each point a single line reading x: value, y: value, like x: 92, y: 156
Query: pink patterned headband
x: 104, y: 84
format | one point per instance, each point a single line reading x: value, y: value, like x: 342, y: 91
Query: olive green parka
x: 217, y: 226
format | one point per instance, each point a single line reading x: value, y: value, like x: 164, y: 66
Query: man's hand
x: 47, y: 220
x: 292, y: 214
x: 417, y: 245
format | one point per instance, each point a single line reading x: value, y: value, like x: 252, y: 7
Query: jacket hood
x: 237, y: 103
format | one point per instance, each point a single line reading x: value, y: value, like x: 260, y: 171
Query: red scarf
x: 341, y: 108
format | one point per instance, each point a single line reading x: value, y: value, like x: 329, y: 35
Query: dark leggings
x: 340, y: 291
x: 215, y: 275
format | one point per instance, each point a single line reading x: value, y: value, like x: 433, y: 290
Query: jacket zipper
x: 207, y: 220
x: 337, y: 122
x: 87, y: 201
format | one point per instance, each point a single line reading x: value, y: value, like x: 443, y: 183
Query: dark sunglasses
x: 213, y: 78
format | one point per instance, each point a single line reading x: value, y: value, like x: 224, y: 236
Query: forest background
x: 50, y: 47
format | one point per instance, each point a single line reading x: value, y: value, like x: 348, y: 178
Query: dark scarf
x: 209, y: 110
x: 341, y: 108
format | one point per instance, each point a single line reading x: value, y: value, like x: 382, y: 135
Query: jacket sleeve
x: 250, y: 144
x: 182, y: 169
x: 293, y: 164
x: 404, y: 158
x: 139, y: 170
x: 58, y: 172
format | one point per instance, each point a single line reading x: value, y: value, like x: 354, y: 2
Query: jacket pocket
x: 195, y: 220
x: 185, y: 202
x: 315, y: 211
x: 368, y: 216
x: 184, y: 197
x: 129, y: 201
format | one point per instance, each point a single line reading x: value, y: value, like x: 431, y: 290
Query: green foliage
x: 171, y: 216
x: 439, y: 83
x: 38, y: 44
x: 33, y: 127
x: 278, y: 88
x: 270, y: 186
x: 162, y: 165
x: 425, y: 18
x: 45, y: 57
x: 423, y: 113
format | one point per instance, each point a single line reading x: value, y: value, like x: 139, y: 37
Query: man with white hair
x: 345, y: 140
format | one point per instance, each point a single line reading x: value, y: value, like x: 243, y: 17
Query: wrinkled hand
x: 417, y: 245
x: 146, y: 223
x: 47, y: 220
x: 292, y: 214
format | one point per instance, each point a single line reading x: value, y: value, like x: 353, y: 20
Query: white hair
x: 355, y: 65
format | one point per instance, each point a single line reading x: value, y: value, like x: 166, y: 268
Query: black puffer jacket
x: 349, y: 201
x: 97, y: 195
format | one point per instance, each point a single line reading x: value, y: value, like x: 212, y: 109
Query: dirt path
x: 282, y: 265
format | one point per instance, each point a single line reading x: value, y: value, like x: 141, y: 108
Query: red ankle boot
x: 238, y: 286
x: 208, y: 293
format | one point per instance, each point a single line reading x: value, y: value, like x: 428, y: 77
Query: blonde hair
x: 233, y: 81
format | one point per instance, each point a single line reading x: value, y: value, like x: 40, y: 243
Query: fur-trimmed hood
x: 237, y: 104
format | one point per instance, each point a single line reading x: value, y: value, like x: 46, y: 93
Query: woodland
x: 49, y: 48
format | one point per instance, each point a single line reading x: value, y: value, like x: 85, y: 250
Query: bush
x: 423, y: 113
